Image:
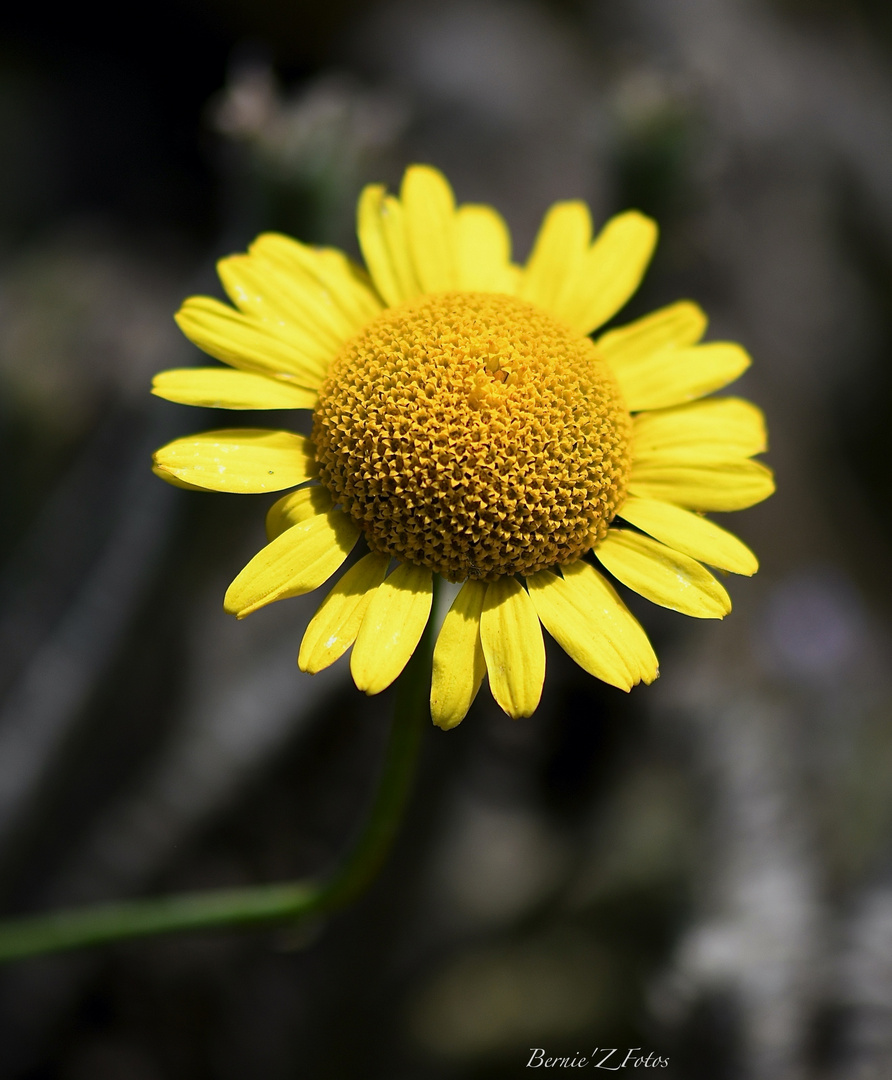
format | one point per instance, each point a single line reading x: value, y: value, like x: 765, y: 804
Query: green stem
x: 78, y: 928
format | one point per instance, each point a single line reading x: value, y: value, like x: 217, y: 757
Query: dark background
x: 702, y: 868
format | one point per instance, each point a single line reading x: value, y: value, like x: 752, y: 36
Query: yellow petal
x: 676, y: 326
x: 340, y: 283
x: 691, y: 534
x: 429, y: 208
x: 374, y: 245
x: 238, y: 459
x: 718, y: 428
x: 296, y: 562
x: 588, y: 620
x: 733, y: 485
x: 391, y: 627
x: 484, y: 251
x: 459, y: 666
x: 673, y: 376
x: 295, y: 507
x: 334, y: 627
x: 382, y: 237
x: 610, y: 272
x: 557, y: 256
x: 284, y: 301
x: 629, y: 632
x: 662, y: 575
x: 512, y: 647
x: 246, y: 343
x: 223, y: 388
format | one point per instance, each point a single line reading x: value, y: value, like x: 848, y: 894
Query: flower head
x: 466, y: 425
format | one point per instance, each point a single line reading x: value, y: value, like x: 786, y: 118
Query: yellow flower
x: 466, y: 425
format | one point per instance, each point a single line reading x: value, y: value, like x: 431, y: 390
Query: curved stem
x: 78, y: 928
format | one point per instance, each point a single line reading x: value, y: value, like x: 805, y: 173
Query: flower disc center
x: 473, y: 434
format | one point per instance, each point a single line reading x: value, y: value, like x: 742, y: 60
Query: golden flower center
x: 473, y: 434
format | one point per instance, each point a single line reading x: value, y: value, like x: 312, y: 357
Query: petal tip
x: 420, y: 168
x: 643, y: 219
x: 445, y: 723
x: 168, y: 475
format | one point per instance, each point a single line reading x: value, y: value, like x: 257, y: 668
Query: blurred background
x: 702, y: 868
